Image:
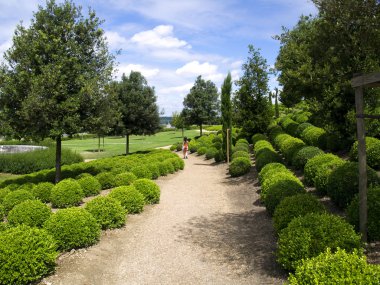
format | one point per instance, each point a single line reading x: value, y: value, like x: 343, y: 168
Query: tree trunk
x: 183, y: 133
x: 103, y: 143
x: 200, y: 132
x: 58, y: 153
x: 98, y: 143
x: 127, y: 144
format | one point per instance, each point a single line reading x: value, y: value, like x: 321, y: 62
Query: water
x: 5, y: 149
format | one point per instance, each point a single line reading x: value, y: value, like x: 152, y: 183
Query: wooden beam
x: 366, y: 80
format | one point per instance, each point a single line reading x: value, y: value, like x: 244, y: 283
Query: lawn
x: 88, y: 148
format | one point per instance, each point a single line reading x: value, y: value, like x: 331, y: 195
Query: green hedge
x: 149, y: 189
x: 301, y: 128
x: 32, y: 213
x: 211, y: 152
x: 281, y: 180
x: 258, y: 137
x: 372, y: 151
x: 313, y: 164
x: 315, y: 136
x: 240, y: 154
x: 16, y: 197
x: 239, y: 166
x: 127, y: 178
x: 128, y: 196
x: 271, y: 167
x: 66, y: 193
x: 308, y: 236
x: 302, y: 156
x: 290, y: 126
x: 42, y: 191
x: 90, y: 185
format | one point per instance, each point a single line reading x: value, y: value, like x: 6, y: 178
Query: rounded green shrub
x: 162, y: 166
x: 240, y: 166
x: 282, y: 180
x: 301, y: 118
x: 308, y: 236
x: 126, y: 178
x: 240, y: 147
x: 240, y: 154
x: 32, y: 213
x: 169, y: 166
x: 219, y: 156
x: 315, y: 136
x: 42, y: 191
x: 280, y: 139
x: 274, y: 131
x: 323, y: 173
x: 16, y: 197
x: 313, y: 164
x: 289, y: 147
x: 339, y: 267
x: 302, y: 156
x: 26, y: 255
x: 142, y: 172
x: 301, y: 127
x: 149, y: 189
x: 343, y: 183
x: 217, y: 145
x: 107, y: 211
x: 293, y: 207
x: 66, y: 193
x: 90, y: 185
x: 82, y: 175
x: 280, y: 190
x: 265, y: 157
x: 26, y: 186
x: 193, y: 146
x: 290, y: 126
x: 202, y: 150
x: 372, y: 151
x: 130, y: 199
x: 106, y: 179
x: 4, y: 192
x: 259, y: 137
x: 73, y: 228
x: 2, y: 213
x: 262, y: 146
x: 179, y: 147
x: 154, y: 170
x: 373, y: 210
x: 4, y: 226
x: 210, y: 153
x: 274, y: 167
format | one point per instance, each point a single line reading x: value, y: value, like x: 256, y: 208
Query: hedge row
x: 264, y: 154
x: 241, y: 160
x: 372, y: 152
x: 208, y: 145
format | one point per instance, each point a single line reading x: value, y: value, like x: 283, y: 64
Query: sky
x: 172, y: 42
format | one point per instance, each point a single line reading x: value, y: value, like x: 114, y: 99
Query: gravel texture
x: 208, y: 229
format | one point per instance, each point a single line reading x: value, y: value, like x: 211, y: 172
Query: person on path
x: 185, y: 147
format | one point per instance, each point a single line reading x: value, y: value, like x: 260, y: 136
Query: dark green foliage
x: 290, y: 126
x: 258, y: 137
x: 26, y: 186
x: 293, y: 207
x: 32, y: 213
x: 301, y: 157
x: 66, y: 193
x: 262, y: 145
x: 193, y: 146
x: 240, y: 154
x: 174, y: 147
x: 339, y: 267
x: 107, y: 211
x: 301, y: 118
x: 372, y: 151
x: 42, y: 191
x: 163, y: 169
x: 3, y: 226
x: 28, y: 162
x: 210, y: 153
x: 178, y: 147
x: 313, y: 164
x: 16, y: 197
x: 274, y: 131
x: 169, y: 166
x: 301, y: 128
x: 127, y: 178
x: 240, y: 147
x: 73, y: 228
x: 240, y: 166
x: 26, y: 255
x: 219, y: 156
x: 342, y: 184
x: 314, y: 136
x: 267, y: 156
x: 273, y: 167
x: 310, y: 235
x: 373, y: 220
x: 149, y: 189
x: 2, y: 213
x: 90, y: 185
x: 131, y: 199
x: 176, y: 162
x: 289, y: 146
x: 106, y: 179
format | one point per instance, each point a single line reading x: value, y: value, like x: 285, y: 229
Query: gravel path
x: 207, y: 229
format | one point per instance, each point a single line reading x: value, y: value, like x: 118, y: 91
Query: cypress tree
x: 226, y: 113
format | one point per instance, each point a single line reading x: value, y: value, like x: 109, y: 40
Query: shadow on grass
x: 244, y: 243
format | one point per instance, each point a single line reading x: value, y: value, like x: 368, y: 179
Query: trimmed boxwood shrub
x: 301, y: 128
x: 240, y: 154
x: 130, y: 199
x: 315, y: 136
x: 169, y: 166
x: 127, y: 178
x: 26, y: 186
x: 219, y: 156
x: 265, y: 157
x: 282, y: 180
x: 176, y: 162
x: 173, y: 147
x: 308, y: 236
x: 202, y: 150
x: 278, y: 191
x: 2, y: 212
x: 293, y: 207
x: 106, y: 179
x: 289, y: 147
x: 179, y: 147
x: 210, y: 153
x: 290, y: 126
x: 262, y: 146
x: 372, y: 151
x: 240, y: 166
x: 217, y: 145
x: 90, y: 185
x: 323, y: 173
x: 154, y: 170
x: 193, y: 146
x: 82, y: 175
x: 373, y: 220
x: 274, y: 166
x: 32, y: 213
x: 66, y: 193
x: 301, y: 157
x: 274, y: 131
x: 240, y: 147
x: 243, y: 142
x: 4, y: 226
x: 343, y: 183
x: 26, y: 255
x: 42, y: 191
x: 162, y: 166
x: 279, y: 139
x: 313, y: 164
x: 73, y: 228
x: 107, y: 211
x: 4, y: 192
x: 336, y: 268
x: 16, y: 197
x: 259, y: 137
x: 149, y: 189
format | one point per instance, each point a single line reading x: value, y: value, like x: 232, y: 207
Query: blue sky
x: 172, y: 42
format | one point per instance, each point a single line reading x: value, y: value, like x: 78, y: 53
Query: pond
x: 8, y: 149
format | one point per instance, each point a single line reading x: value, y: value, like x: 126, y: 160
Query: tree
x: 53, y: 72
x: 226, y: 109
x: 138, y: 108
x: 178, y: 121
x: 201, y: 104
x: 252, y: 109
x: 276, y: 109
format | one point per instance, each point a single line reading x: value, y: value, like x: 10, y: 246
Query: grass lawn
x: 88, y: 148
x: 4, y: 176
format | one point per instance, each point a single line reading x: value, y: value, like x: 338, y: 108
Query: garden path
x: 208, y: 229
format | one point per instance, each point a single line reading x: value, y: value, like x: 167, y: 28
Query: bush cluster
x: 90, y: 185
x: 372, y: 151
x: 302, y: 156
x: 32, y: 213
x: 265, y: 154
x: 16, y: 197
x: 314, y: 136
x: 315, y: 163
x: 127, y: 178
x: 42, y: 191
x: 130, y: 199
x: 288, y: 145
x: 290, y: 126
x: 308, y: 236
x: 258, y: 137
x: 211, y: 152
x: 66, y: 193
x: 149, y: 189
x: 239, y: 166
x: 301, y: 127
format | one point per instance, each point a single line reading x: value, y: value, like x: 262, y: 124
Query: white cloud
x: 115, y: 40
x: 160, y: 37
x: 196, y: 68
x: 145, y: 71
x: 4, y: 47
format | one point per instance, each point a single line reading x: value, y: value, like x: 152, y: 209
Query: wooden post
x: 362, y: 162
x: 228, y: 146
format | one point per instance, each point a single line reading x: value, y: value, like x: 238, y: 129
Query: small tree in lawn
x: 53, y: 73
x: 178, y: 121
x: 138, y: 108
x: 201, y: 104
x: 226, y: 113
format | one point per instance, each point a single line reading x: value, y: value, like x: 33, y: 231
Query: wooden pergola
x: 359, y: 82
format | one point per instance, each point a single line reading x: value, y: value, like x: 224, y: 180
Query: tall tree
x: 178, y: 121
x: 253, y: 111
x: 226, y: 109
x: 201, y: 105
x: 138, y: 108
x: 53, y: 70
